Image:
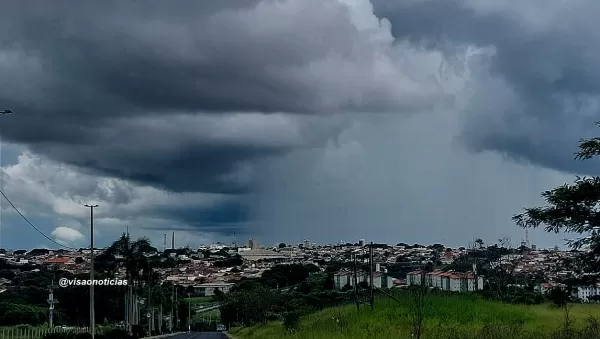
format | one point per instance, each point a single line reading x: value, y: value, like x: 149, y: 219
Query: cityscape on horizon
x: 267, y: 169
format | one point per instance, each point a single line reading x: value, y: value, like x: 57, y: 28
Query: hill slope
x: 447, y: 317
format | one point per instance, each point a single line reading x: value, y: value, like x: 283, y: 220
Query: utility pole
x: 148, y: 314
x: 92, y: 315
x: 51, y: 301
x: 176, y: 309
x: 371, y: 297
x: 172, y: 308
x: 4, y: 112
x: 189, y: 313
x: 355, y: 283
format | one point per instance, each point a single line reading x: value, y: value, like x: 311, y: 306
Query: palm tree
x: 161, y: 295
x: 132, y: 255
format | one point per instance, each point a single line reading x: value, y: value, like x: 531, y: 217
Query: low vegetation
x: 446, y: 316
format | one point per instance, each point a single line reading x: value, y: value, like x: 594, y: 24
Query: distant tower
x: 525, y: 241
x: 361, y: 242
x: 253, y: 244
x: 234, y: 243
x: 165, y: 245
x: 173, y: 241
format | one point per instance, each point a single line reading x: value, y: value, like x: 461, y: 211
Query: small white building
x: 216, y: 247
x: 209, y: 289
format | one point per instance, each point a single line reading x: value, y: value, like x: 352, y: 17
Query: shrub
x: 291, y: 321
x: 117, y: 334
x: 138, y: 331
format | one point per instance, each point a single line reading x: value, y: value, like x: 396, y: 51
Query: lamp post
x: 92, y: 315
x: 189, y: 313
x: 4, y: 112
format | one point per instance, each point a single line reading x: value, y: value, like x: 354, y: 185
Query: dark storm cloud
x: 78, y: 73
x: 221, y: 219
x: 546, y: 56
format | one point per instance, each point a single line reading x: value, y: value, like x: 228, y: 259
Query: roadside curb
x: 163, y: 335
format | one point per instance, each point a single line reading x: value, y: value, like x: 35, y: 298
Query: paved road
x: 199, y: 335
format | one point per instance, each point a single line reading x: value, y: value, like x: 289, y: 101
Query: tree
x: 282, y: 245
x: 573, y: 208
x: 479, y: 243
x: 134, y: 261
x: 438, y: 247
x: 235, y: 260
x: 247, y: 306
x: 39, y: 251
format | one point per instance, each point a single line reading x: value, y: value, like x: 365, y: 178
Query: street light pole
x: 92, y: 315
x: 4, y: 112
x: 189, y: 313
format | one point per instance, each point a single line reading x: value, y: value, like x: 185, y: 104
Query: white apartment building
x: 344, y: 277
x: 446, y: 281
x: 585, y: 292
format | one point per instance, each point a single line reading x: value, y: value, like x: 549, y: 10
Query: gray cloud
x: 539, y: 92
x: 258, y: 99
x: 103, y: 86
x: 55, y: 193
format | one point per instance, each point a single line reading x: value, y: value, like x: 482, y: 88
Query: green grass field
x: 200, y: 300
x: 447, y: 317
x: 210, y: 316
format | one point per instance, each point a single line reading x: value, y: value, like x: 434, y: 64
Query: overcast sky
x: 394, y: 121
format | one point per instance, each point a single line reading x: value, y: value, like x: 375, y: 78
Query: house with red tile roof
x: 59, y: 261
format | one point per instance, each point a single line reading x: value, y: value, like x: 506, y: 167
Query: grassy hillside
x: 448, y: 317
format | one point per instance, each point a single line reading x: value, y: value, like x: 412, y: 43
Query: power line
x: 32, y: 225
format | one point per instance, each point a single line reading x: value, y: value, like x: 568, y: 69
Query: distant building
x: 262, y: 254
x: 307, y: 243
x: 208, y: 290
x: 533, y: 247
x: 345, y: 277
x: 584, y: 293
x: 59, y: 261
x: 253, y: 244
x: 446, y: 281
x: 216, y: 247
x: 361, y: 242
